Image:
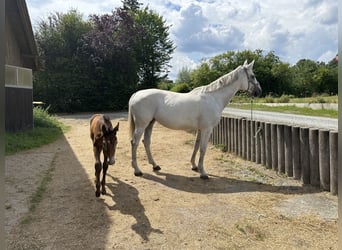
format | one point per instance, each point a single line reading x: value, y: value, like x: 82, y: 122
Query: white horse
x: 198, y: 110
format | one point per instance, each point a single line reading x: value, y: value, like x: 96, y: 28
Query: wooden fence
x: 306, y: 154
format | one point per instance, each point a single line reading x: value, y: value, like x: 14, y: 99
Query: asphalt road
x: 282, y: 118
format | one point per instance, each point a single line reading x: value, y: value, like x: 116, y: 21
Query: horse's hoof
x: 156, y: 168
x: 138, y: 174
x: 97, y: 193
x: 194, y: 169
x: 204, y: 177
x: 104, y: 192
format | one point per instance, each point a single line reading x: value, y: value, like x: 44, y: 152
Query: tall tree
x: 303, y: 77
x: 131, y: 5
x: 184, y: 76
x: 153, y: 48
x: 57, y: 40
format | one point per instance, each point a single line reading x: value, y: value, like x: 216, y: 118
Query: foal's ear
x: 104, y: 130
x: 116, y: 127
x: 245, y: 63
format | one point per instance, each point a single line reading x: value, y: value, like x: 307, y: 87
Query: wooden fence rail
x: 306, y: 154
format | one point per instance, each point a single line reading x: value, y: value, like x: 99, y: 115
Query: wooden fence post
x: 304, y: 155
x: 274, y: 147
x: 248, y: 137
x: 324, y: 159
x: 314, y: 157
x: 252, y: 128
x: 281, y: 150
x: 244, y: 139
x: 333, y: 142
x: 225, y: 132
x: 263, y: 153
x: 288, y: 150
x: 230, y: 134
x: 297, y: 171
x: 268, y: 149
x: 240, y: 137
x: 258, y: 134
x: 236, y: 146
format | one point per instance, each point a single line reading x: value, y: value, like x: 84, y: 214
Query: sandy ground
x: 241, y: 206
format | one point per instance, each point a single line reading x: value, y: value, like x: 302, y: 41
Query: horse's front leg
x: 205, y: 135
x: 147, y: 144
x: 105, y: 168
x: 98, y: 168
x: 196, y: 147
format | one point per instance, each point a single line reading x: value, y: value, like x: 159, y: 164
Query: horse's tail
x: 131, y: 122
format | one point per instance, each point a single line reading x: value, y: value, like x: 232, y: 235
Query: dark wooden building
x: 21, y: 58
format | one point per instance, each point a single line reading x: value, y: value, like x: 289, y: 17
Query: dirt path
x: 241, y: 206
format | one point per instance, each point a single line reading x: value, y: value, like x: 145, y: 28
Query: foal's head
x: 109, y: 142
x: 252, y: 85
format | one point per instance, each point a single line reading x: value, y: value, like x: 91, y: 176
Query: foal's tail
x: 131, y: 122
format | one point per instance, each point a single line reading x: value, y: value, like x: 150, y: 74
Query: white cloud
x: 204, y: 28
x: 180, y: 61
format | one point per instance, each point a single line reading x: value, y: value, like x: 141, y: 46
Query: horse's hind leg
x: 135, y: 143
x: 147, y: 144
x: 196, y: 147
x: 205, y: 135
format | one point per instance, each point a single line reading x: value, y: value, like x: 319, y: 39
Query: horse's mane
x: 218, y: 83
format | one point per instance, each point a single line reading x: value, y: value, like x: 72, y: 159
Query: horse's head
x: 251, y: 84
x: 110, y: 141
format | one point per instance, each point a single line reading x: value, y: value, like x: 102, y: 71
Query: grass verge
x: 46, y: 129
x: 37, y: 197
x: 290, y: 109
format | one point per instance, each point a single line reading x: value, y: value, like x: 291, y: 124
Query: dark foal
x: 103, y: 136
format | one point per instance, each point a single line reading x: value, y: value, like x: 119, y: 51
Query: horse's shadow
x: 126, y: 200
x: 217, y: 184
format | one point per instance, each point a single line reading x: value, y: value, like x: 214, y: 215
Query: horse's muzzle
x: 257, y: 91
x: 111, y: 161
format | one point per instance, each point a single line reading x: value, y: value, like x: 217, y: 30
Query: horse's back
x: 96, y: 123
x: 171, y: 109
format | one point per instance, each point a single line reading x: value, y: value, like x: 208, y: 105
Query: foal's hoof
x: 156, y: 168
x: 104, y: 191
x: 97, y: 193
x: 194, y: 169
x: 204, y: 177
x: 138, y: 174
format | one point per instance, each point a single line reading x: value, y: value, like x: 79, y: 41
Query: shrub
x: 284, y: 99
x: 269, y: 99
x: 181, y: 88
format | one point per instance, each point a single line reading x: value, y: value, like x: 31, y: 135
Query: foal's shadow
x: 218, y: 184
x: 126, y: 199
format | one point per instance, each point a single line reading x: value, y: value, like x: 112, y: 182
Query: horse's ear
x: 116, y: 127
x: 245, y: 63
x: 251, y: 64
x: 104, y: 130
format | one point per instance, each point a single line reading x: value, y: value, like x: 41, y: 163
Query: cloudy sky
x: 293, y: 29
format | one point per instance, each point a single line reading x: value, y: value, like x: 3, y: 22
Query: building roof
x: 17, y: 14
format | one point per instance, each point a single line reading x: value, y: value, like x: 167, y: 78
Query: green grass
x: 290, y: 109
x: 37, y: 197
x: 242, y: 98
x: 46, y: 130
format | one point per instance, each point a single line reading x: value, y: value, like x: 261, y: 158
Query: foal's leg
x: 196, y: 147
x: 105, y: 167
x: 98, y: 167
x: 147, y: 144
x: 205, y: 135
x: 134, y: 143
